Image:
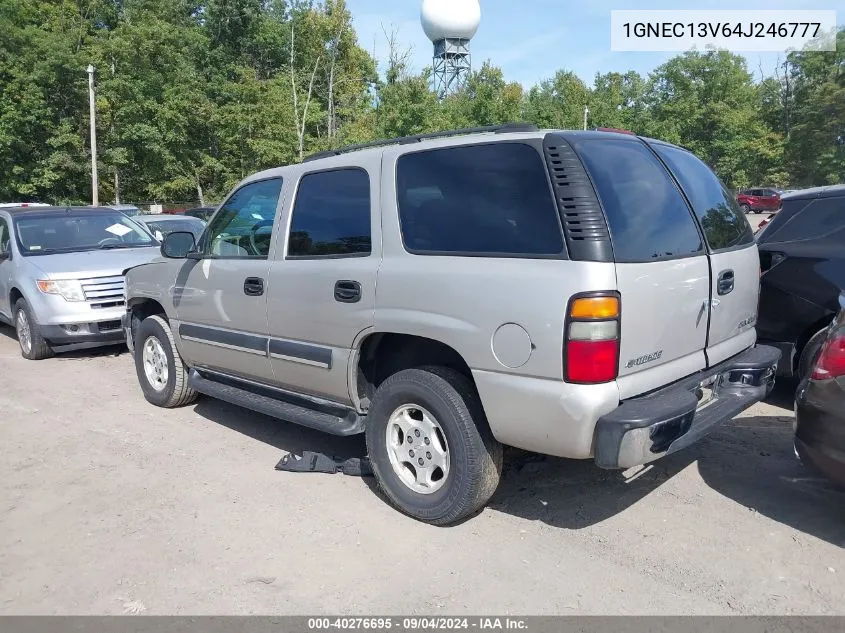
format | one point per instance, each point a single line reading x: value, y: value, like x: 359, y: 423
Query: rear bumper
x: 647, y: 428
x: 787, y: 356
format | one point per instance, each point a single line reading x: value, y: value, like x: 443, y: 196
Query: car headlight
x: 70, y: 289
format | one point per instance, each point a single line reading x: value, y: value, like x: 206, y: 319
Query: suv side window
x: 818, y: 219
x: 724, y: 224
x: 243, y: 225
x: 5, y: 242
x: 488, y: 199
x: 647, y: 216
x: 331, y: 215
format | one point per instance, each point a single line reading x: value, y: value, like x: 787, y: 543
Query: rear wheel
x: 33, y: 345
x: 162, y: 374
x: 432, y: 451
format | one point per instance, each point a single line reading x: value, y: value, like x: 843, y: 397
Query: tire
x: 809, y: 353
x: 758, y: 211
x: 172, y: 390
x: 745, y: 208
x: 474, y: 462
x: 33, y: 345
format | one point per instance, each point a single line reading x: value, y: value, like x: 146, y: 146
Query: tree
x: 557, y: 102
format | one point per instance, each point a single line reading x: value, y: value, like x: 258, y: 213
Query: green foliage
x: 193, y: 95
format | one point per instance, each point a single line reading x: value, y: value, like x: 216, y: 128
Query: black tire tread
x: 484, y: 452
x: 41, y: 350
x: 182, y: 394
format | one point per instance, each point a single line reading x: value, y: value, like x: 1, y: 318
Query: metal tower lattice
x: 452, y: 64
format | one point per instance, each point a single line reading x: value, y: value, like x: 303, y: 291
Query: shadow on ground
x: 750, y: 461
x: 81, y: 351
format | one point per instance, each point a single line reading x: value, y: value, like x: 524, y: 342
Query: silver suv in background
x: 61, y: 274
x: 589, y: 295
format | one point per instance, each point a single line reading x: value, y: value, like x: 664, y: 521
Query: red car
x: 758, y: 200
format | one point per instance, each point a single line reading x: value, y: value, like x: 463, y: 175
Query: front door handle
x: 346, y: 291
x: 253, y: 286
x: 725, y: 282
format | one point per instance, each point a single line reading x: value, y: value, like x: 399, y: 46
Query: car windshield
x: 161, y: 228
x: 67, y: 232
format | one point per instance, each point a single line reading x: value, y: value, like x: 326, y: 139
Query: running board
x: 350, y: 424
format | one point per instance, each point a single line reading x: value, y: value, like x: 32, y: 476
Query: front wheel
x: 33, y: 346
x: 745, y: 208
x: 161, y: 372
x: 432, y: 451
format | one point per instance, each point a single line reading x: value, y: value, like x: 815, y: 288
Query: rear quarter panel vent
x: 584, y: 224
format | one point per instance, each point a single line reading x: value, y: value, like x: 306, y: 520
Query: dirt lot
x: 109, y: 505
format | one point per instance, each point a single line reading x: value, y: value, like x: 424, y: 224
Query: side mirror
x: 178, y: 244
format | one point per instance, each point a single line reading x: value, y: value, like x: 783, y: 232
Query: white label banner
x: 738, y: 31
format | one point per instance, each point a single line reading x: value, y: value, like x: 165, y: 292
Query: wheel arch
x: 379, y: 355
x: 805, y: 337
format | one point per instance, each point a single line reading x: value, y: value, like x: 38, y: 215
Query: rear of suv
x: 579, y: 294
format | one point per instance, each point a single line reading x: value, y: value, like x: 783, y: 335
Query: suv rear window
x: 724, y: 224
x: 818, y: 219
x: 647, y: 216
x: 490, y: 199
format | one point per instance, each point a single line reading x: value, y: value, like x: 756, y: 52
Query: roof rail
x: 406, y: 140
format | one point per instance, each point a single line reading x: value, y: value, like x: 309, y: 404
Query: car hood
x: 108, y: 263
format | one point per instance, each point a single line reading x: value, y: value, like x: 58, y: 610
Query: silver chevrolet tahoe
x: 590, y: 295
x: 61, y: 274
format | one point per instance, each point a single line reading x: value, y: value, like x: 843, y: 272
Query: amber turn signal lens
x: 595, y: 308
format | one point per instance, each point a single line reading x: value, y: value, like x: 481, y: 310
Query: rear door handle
x: 725, y: 282
x: 253, y: 286
x: 347, y: 291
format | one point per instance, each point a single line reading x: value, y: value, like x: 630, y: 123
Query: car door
x: 323, y: 278
x: 221, y: 299
x: 5, y: 268
x: 732, y: 253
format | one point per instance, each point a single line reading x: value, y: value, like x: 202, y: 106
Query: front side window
x: 331, y: 215
x: 489, y: 199
x: 78, y: 230
x: 724, y: 224
x: 5, y: 241
x: 243, y: 226
x: 647, y: 216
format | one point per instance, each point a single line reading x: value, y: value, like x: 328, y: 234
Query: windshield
x: 71, y: 231
x: 161, y: 228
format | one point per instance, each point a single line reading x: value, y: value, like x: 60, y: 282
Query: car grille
x: 103, y: 292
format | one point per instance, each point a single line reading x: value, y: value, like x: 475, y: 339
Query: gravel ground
x: 109, y: 505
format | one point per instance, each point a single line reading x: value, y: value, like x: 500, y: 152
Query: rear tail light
x: 831, y: 361
x: 591, y: 348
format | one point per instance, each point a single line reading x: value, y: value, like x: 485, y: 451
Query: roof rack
x: 407, y: 140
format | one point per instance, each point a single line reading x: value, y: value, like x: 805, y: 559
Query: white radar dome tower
x: 450, y: 25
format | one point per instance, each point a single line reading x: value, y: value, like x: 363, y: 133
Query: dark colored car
x: 203, y: 213
x: 759, y: 200
x: 802, y: 268
x: 820, y: 407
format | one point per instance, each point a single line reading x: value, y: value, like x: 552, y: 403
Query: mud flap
x: 310, y: 462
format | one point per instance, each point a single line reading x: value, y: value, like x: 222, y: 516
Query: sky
x: 531, y: 39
